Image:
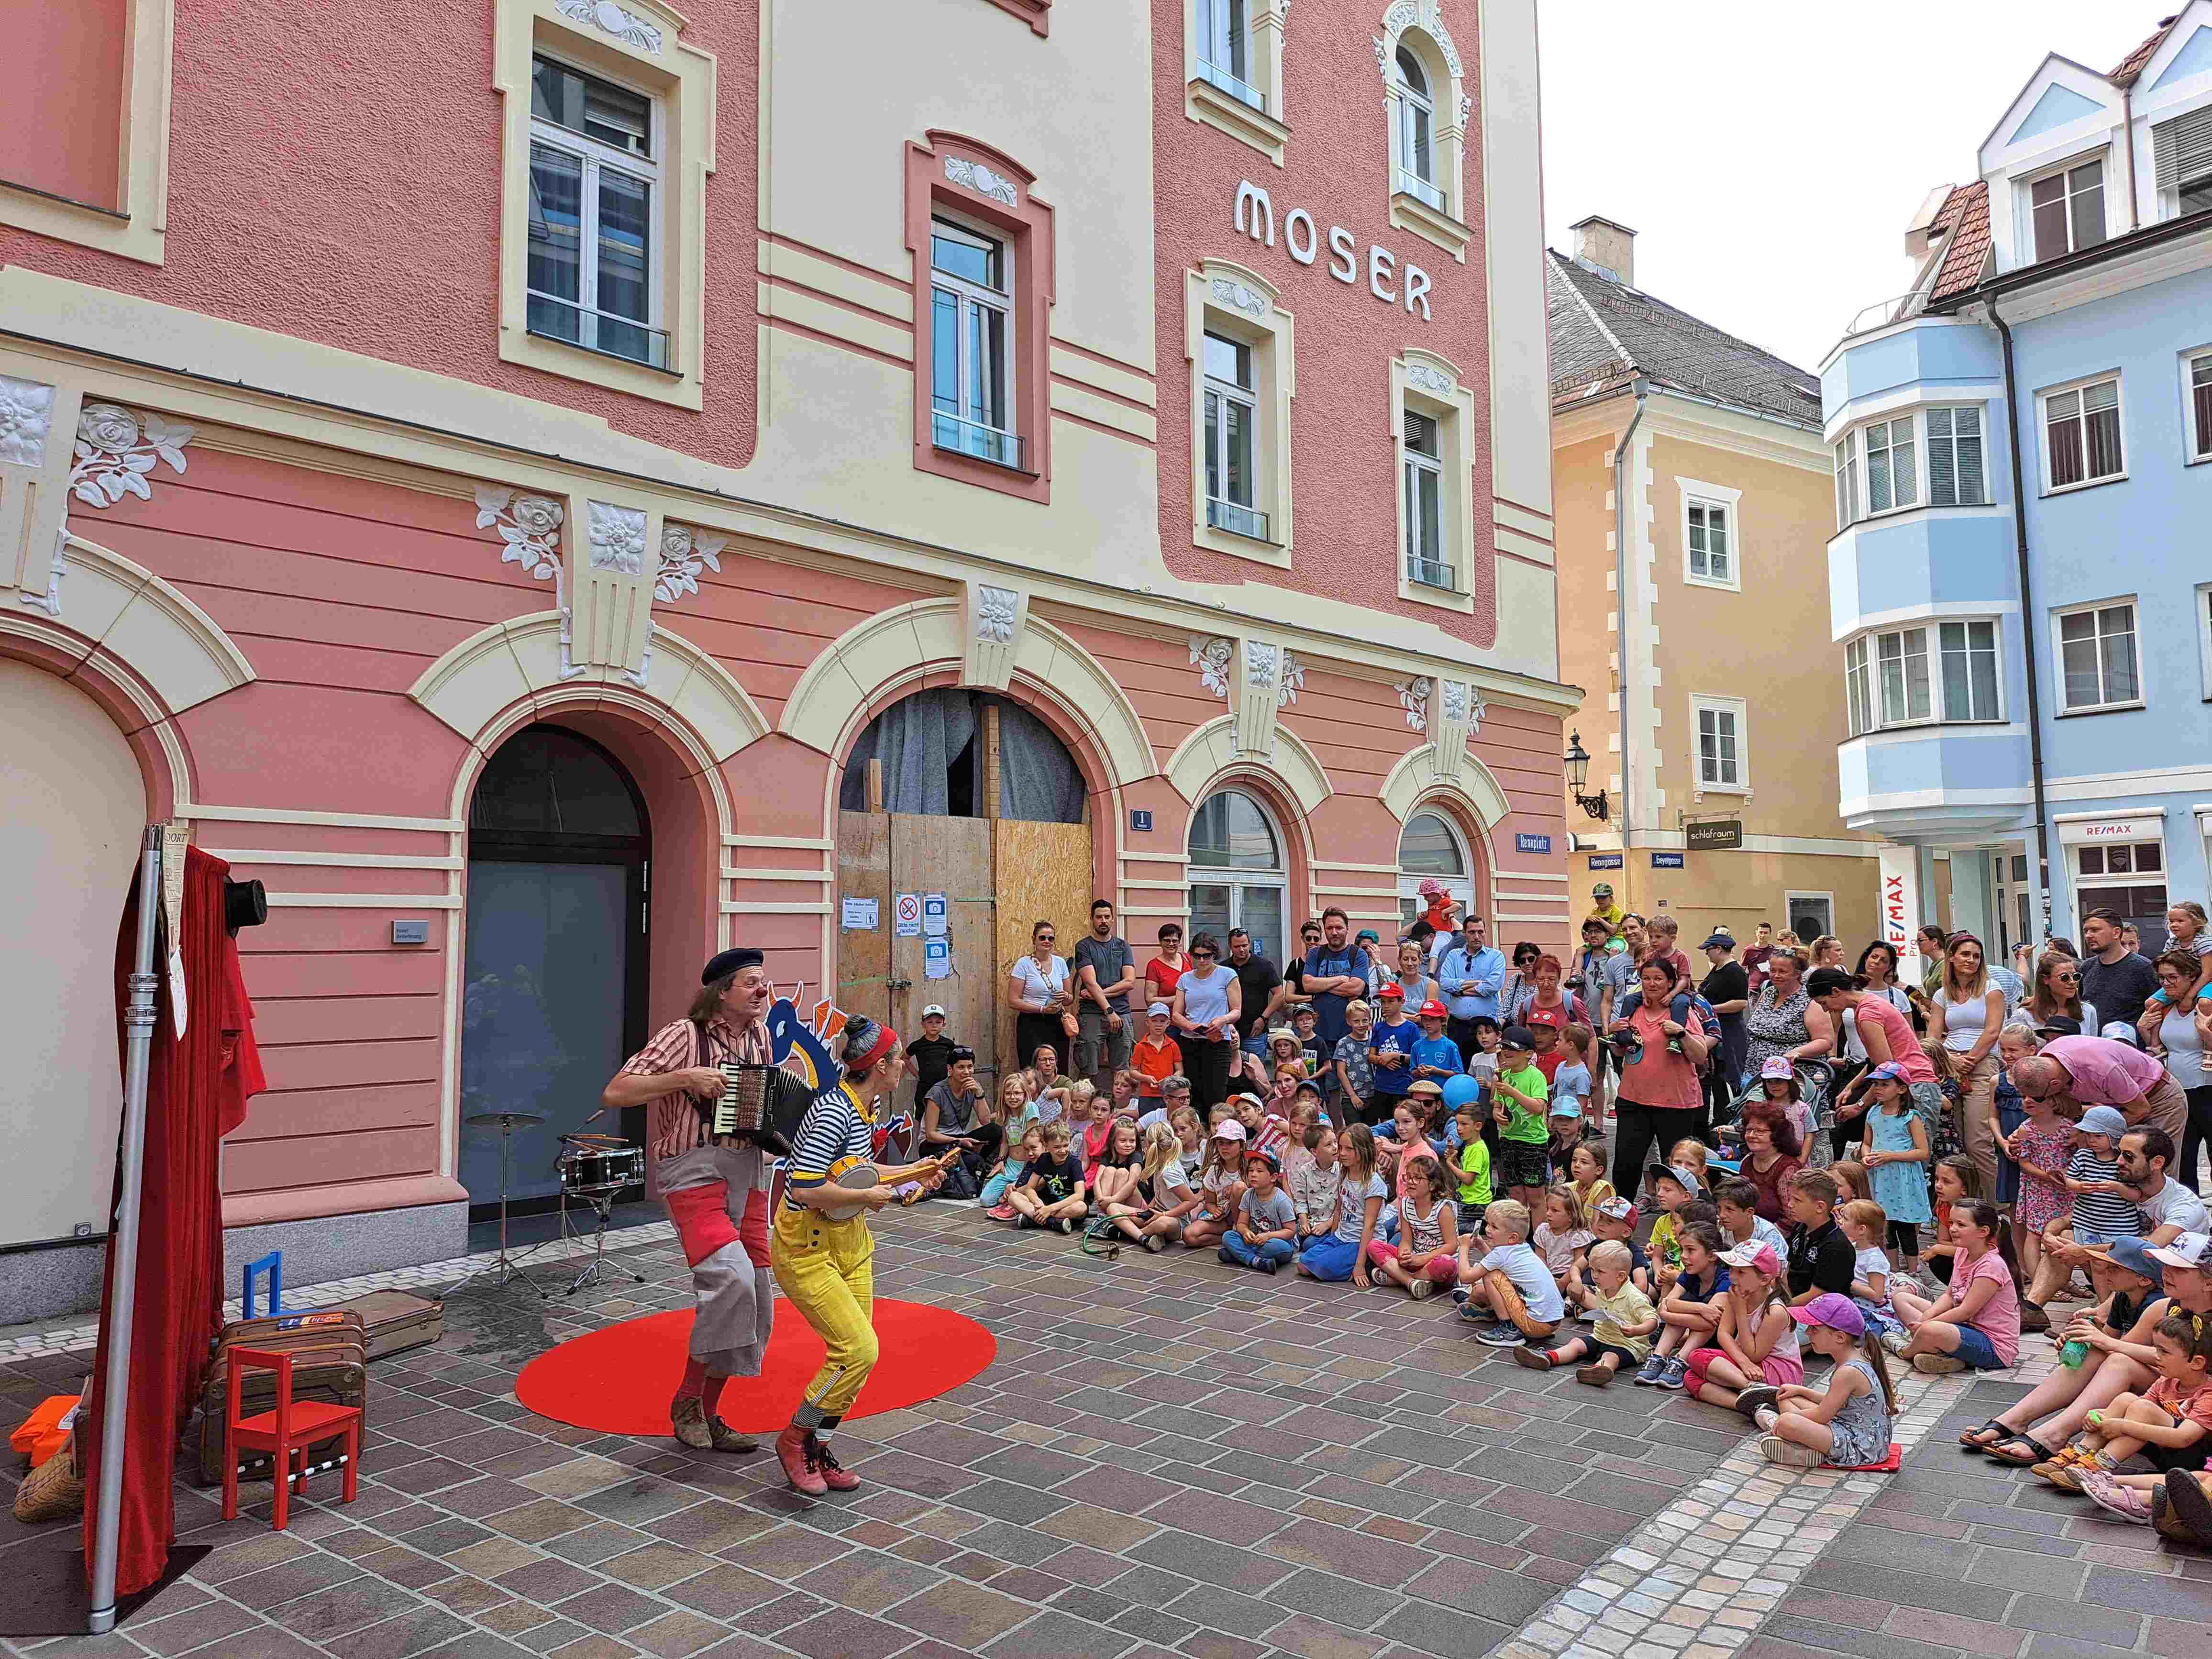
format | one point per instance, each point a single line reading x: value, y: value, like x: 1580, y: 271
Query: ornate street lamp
x: 1578, y: 774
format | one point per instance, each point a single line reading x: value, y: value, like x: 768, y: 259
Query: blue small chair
x: 273, y: 1266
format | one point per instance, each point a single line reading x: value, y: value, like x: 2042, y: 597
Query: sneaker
x: 1767, y: 1416
x: 2070, y: 1478
x: 1265, y: 1264
x: 1421, y: 1289
x: 1596, y: 1377
x: 1499, y: 1335
x: 1064, y: 1225
x: 1536, y: 1359
x: 1757, y: 1398
x: 2064, y: 1458
x: 1789, y: 1453
x: 1674, y: 1377
x: 1459, y: 1294
x: 1000, y: 1213
x: 1937, y: 1364
x: 1895, y: 1341
x: 1474, y: 1315
x: 1648, y: 1373
x: 794, y: 1450
x: 1155, y: 1242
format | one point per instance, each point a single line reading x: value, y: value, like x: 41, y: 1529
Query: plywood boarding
x: 952, y: 856
x: 1044, y: 873
x: 864, y: 873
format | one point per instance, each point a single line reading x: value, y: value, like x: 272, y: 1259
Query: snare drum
x: 597, y: 1166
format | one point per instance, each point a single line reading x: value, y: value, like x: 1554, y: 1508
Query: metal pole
x: 115, y: 1389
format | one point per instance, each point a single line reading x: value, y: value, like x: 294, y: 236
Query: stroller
x: 1816, y: 1115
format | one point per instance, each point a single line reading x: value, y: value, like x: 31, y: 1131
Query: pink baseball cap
x: 1753, y: 1253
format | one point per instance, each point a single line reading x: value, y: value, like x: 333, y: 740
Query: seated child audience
x: 1586, y: 1166
x: 1052, y: 1190
x: 1847, y: 1424
x: 1562, y: 1238
x: 1821, y: 1258
x: 1427, y: 1251
x: 1168, y: 1195
x: 1266, y: 1222
x: 1625, y: 1321
x: 1117, y: 1185
x: 1673, y: 1189
x: 1736, y: 1206
x: 1566, y: 1126
x: 1689, y: 1308
x: 1756, y: 1340
x: 2147, y: 1434
x: 1955, y: 1180
x: 1865, y: 1224
x: 1312, y: 1180
x: 1340, y: 1250
x: 1851, y: 1178
x: 1692, y: 1154
x: 1612, y: 1221
x: 996, y: 1198
x: 1220, y: 1186
x: 1511, y: 1297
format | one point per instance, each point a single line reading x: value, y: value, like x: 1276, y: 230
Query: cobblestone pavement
x: 1168, y: 1456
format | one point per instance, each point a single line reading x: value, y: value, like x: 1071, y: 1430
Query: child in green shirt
x: 1520, y: 1101
x: 1473, y: 1159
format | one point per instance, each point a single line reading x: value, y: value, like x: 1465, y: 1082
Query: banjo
x: 854, y: 1173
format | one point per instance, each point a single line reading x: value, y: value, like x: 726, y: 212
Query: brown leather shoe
x: 727, y: 1439
x: 794, y: 1450
x: 689, y: 1414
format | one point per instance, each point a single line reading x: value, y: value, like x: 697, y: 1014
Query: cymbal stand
x: 505, y: 1269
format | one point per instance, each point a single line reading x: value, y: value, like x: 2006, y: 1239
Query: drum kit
x: 593, y: 1167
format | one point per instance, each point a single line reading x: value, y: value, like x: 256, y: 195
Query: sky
x: 1769, y: 155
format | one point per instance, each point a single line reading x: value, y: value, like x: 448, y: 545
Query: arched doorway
x: 1240, y: 876
x: 559, y: 849
x: 76, y: 804
x: 1430, y: 848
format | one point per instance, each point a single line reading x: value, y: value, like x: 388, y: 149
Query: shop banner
x: 1900, y: 909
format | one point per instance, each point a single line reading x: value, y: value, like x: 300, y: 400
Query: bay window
x: 1944, y: 671
x: 593, y: 274
x: 1930, y: 457
x: 971, y: 373
x: 2081, y: 435
x: 1892, y: 478
x: 1956, y: 476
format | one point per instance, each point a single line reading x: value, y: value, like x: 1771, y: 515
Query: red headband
x: 886, y: 1040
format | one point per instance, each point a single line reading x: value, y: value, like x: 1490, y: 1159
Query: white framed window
x: 2196, y: 418
x: 971, y: 294
x: 1431, y: 848
x: 1233, y: 71
x: 1232, y: 420
x: 2203, y: 597
x: 1847, y: 481
x: 1421, y: 469
x: 1969, y: 683
x: 2128, y: 875
x: 2081, y: 435
x: 1711, y: 542
x: 1811, y: 915
x: 1957, y: 476
x: 2097, y: 667
x: 1225, y: 49
x: 1893, y: 464
x: 2181, y: 157
x: 1904, y: 690
x: 1722, y: 764
x: 1239, y: 876
x: 2066, y: 209
x: 1416, y: 156
x: 1858, y: 686
x: 594, y: 263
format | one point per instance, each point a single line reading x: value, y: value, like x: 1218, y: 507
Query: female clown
x: 826, y: 1267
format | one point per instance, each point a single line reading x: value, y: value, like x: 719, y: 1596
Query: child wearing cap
x: 929, y: 1056
x: 1435, y: 1056
x: 1390, y: 1049
x: 1566, y: 1126
x: 1848, y: 1423
x: 1671, y: 1188
x: 1511, y: 1297
x: 2163, y: 1428
x: 1220, y: 1187
x: 1267, y: 1219
x: 1756, y: 1340
x: 1621, y: 1335
x: 1896, y: 1159
x: 1689, y: 1310
x: 1519, y: 1103
x: 1612, y: 1221
x: 1154, y: 1056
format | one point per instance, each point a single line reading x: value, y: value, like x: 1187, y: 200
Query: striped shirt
x: 835, y: 1127
x: 2102, y: 1213
x: 672, y: 1124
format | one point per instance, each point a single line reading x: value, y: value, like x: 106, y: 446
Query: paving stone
x: 965, y: 1616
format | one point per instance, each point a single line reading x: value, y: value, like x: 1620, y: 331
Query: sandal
x: 2066, y: 1458
x: 1973, y: 1440
x: 2020, y: 1450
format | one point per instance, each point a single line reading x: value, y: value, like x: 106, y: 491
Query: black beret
x: 724, y: 964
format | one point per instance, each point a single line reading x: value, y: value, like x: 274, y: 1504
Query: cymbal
x: 500, y: 1119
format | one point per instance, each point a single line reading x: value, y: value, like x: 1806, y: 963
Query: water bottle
x: 2073, y: 1354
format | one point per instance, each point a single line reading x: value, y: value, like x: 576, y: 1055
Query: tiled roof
x: 2132, y: 65
x: 1966, y: 215
x: 1604, y: 335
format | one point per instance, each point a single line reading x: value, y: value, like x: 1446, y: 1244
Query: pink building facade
x: 623, y: 410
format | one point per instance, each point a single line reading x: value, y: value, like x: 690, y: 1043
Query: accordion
x: 760, y: 1103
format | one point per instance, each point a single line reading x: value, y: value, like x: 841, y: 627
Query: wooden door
x: 1043, y: 875
x: 880, y: 974
x: 864, y: 871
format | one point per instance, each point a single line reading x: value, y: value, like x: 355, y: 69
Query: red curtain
x: 197, y: 1088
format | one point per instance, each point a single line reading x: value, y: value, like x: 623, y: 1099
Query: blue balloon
x: 1460, y: 1089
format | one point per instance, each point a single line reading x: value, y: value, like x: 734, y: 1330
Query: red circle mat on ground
x: 619, y: 1380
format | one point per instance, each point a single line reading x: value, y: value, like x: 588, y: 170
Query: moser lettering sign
x: 1714, y: 835
x: 1255, y: 215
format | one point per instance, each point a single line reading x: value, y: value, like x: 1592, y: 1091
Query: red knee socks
x: 711, y: 1394
x: 694, y: 1379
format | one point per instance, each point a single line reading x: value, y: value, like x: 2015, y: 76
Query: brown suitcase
x: 335, y: 1375
x: 395, y: 1321
x: 290, y: 1332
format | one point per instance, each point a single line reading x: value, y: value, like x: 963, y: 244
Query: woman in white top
x: 1208, y: 1000
x: 1038, y: 991
x: 1967, y: 1012
x: 2180, y: 1040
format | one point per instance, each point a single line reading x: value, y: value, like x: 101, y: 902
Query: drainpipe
x: 1643, y: 390
x: 2128, y: 149
x: 2028, y: 629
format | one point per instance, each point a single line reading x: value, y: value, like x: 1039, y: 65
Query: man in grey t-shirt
x: 1104, y: 971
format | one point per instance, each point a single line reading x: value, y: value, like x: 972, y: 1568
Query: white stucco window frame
x: 138, y: 229
x: 1694, y: 491
x: 1738, y: 710
x: 2058, y: 618
x: 1418, y: 25
x: 1433, y: 385
x: 645, y: 55
x: 2193, y: 360
x: 1267, y: 130
x: 2042, y: 397
x: 1790, y: 896
x: 1236, y: 301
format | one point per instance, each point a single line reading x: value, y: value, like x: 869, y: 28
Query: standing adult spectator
x: 1967, y: 1012
x: 1262, y: 990
x: 1727, y: 986
x: 1163, y: 970
x: 2057, y: 993
x: 1827, y: 952
x: 1782, y: 1018
x: 1412, y: 975
x: 2094, y: 1071
x: 1883, y: 1031
x: 1933, y: 940
x: 1876, y: 975
x: 2177, y: 1032
x: 1294, y: 962
x: 1519, y: 982
x: 1620, y: 967
x: 2113, y: 976
x: 1105, y: 972
x: 1471, y: 975
x: 1041, y: 990
x: 1546, y: 1002
x: 1756, y: 953
x: 1661, y: 1100
x: 1599, y: 948
x: 1666, y: 935
x: 1203, y: 1016
x: 1335, y: 972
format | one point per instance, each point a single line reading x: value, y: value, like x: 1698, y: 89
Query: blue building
x: 2020, y: 582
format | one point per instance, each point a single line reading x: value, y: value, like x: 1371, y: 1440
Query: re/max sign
x: 1255, y: 215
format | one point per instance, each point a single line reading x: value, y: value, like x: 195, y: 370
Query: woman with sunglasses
x: 1037, y: 990
x: 1208, y: 1000
x: 2058, y: 993
x: 1966, y: 1014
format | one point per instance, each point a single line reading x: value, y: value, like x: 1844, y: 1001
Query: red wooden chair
x: 288, y: 1429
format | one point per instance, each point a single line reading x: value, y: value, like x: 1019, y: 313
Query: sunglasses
x: 1201, y: 956
x: 2068, y: 979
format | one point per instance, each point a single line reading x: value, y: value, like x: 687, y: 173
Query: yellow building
x: 1688, y: 469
